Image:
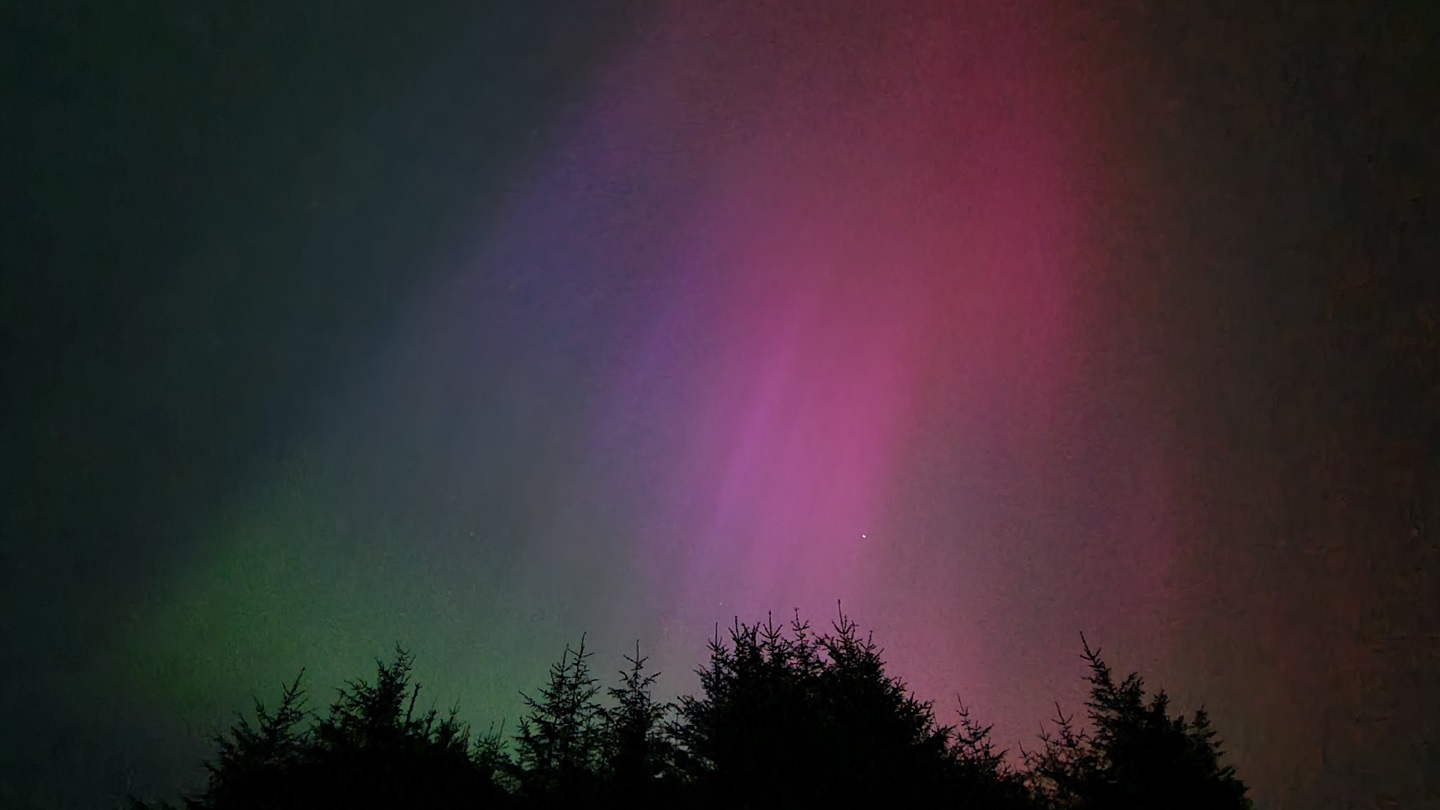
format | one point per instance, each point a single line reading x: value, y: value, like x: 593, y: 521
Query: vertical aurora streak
x: 883, y: 246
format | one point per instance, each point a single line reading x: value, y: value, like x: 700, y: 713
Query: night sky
x: 479, y: 326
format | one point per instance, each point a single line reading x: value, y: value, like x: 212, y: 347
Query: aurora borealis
x: 483, y: 329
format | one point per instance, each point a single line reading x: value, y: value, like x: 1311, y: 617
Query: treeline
x: 786, y: 717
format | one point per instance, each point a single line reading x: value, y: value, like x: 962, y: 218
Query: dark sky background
x: 479, y: 326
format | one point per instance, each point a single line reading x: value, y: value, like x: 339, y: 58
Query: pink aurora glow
x: 863, y: 370
x: 883, y: 244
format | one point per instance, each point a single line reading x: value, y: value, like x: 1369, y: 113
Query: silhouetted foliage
x: 558, y: 746
x: 492, y: 756
x: 786, y: 717
x: 809, y: 720
x: 258, y: 765
x: 639, y: 754
x: 372, y: 750
x: 1135, y: 756
x: 983, y: 777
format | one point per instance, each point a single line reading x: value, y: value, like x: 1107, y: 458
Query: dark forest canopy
x: 786, y: 716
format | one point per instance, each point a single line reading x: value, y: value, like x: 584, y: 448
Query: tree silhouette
x: 1062, y: 771
x: 785, y: 718
x: 492, y: 756
x: 372, y: 750
x: 558, y: 745
x: 639, y: 753
x: 257, y: 765
x: 802, y: 719
x: 376, y: 751
x: 1136, y: 756
x: 983, y: 776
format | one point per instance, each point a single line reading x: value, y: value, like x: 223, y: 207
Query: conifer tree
x: 982, y: 776
x: 1135, y: 755
x: 558, y: 745
x: 492, y: 756
x: 803, y: 719
x: 639, y: 753
x: 372, y: 750
x: 255, y: 764
x: 376, y: 750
